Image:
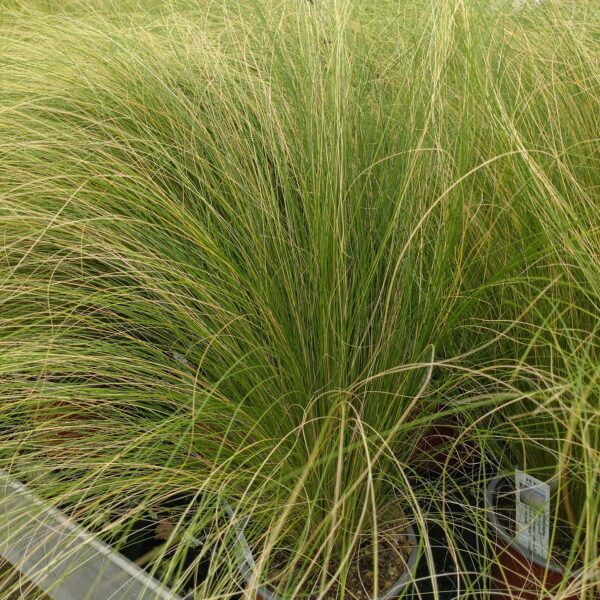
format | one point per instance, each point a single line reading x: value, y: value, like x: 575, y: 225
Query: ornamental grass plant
x: 251, y: 251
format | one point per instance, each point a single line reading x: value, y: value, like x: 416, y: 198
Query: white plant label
x: 533, y: 513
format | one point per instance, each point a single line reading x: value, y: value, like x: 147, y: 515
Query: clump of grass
x: 242, y: 249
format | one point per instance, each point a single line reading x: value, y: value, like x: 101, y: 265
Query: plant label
x: 533, y: 513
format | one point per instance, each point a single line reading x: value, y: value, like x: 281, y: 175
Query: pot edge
x: 247, y: 564
x: 489, y: 496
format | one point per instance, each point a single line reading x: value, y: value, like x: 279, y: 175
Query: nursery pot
x: 517, y: 572
x: 58, y: 427
x: 437, y: 451
x: 247, y: 567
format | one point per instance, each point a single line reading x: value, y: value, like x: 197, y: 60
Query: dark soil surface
x: 13, y: 586
x: 393, y: 553
x: 458, y: 565
x: 147, y: 545
x: 394, y: 549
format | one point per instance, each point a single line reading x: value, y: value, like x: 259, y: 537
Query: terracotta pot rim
x: 504, y: 535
